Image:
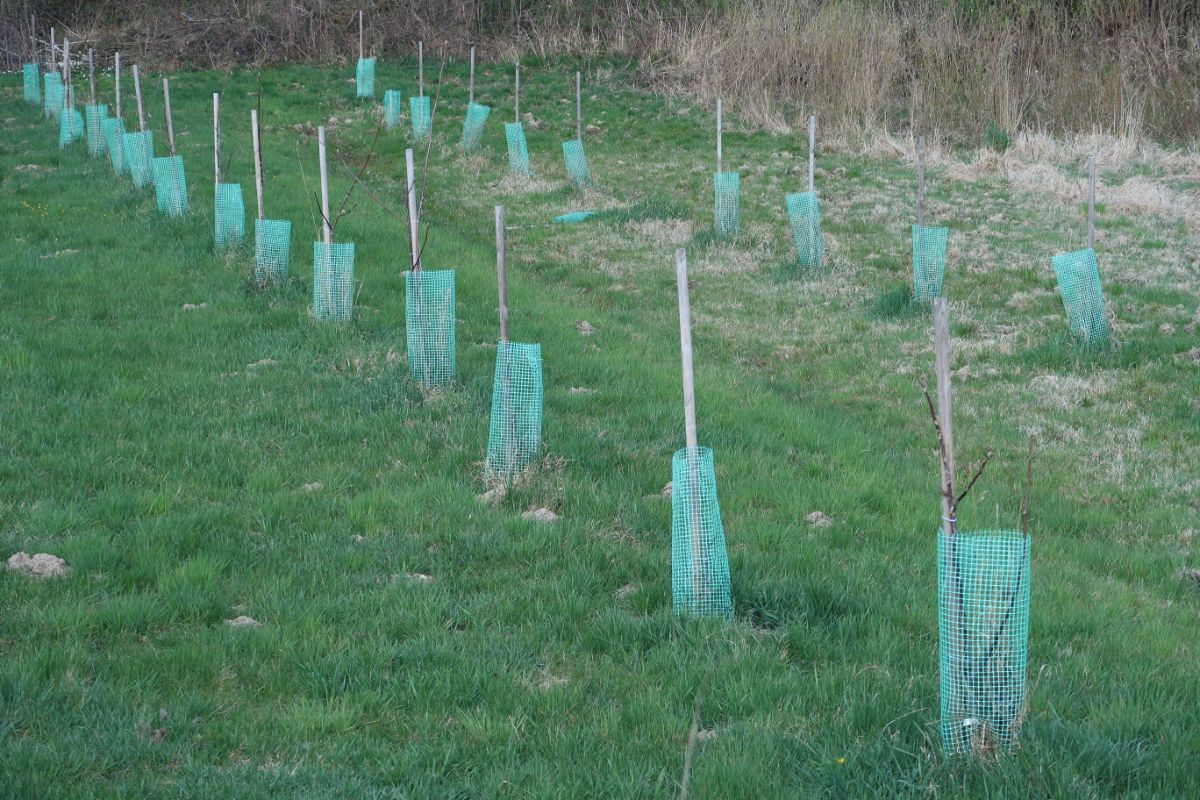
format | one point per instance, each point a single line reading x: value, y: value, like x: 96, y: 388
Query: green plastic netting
x: 699, y: 558
x: 577, y: 165
x: 391, y: 108
x: 418, y: 112
x: 33, y: 84
x: 229, y: 216
x: 726, y: 189
x: 272, y: 249
x: 929, y: 262
x: 170, y: 186
x: 983, y: 638
x: 333, y: 281
x: 804, y: 213
x: 1079, y: 284
x: 573, y: 217
x: 516, y: 430
x: 114, y: 138
x: 138, y: 148
x: 52, y: 95
x: 70, y: 127
x: 518, y: 150
x: 93, y: 118
x: 429, y: 322
x: 473, y: 123
x: 365, y: 77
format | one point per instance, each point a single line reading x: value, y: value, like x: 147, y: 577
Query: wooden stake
x: 471, y: 84
x: 420, y: 69
x: 517, y: 94
x: 812, y: 148
x: 326, y: 228
x: 258, y: 179
x: 578, y: 107
x: 719, y: 152
x: 66, y: 62
x: 360, y: 35
x: 137, y: 90
x: 216, y: 139
x: 945, y: 410
x: 167, y: 114
x: 1091, y: 229
x: 53, y: 51
x: 33, y: 53
x: 117, y: 75
x: 685, y: 344
x: 501, y: 274
x: 414, y: 224
x: 91, y: 76
x: 921, y: 181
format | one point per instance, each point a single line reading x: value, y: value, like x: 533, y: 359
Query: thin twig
x: 693, y: 738
x: 982, y: 466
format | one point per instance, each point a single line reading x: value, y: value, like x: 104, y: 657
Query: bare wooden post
x: 578, y: 107
x: 719, y: 153
x: 414, y: 223
x: 420, y: 69
x: 91, y: 76
x: 1091, y: 229
x: 689, y: 419
x: 53, y: 49
x: 360, y: 35
x: 517, y: 94
x: 33, y: 53
x: 258, y: 179
x: 945, y: 410
x: 117, y: 75
x: 812, y: 148
x: 471, y: 84
x: 216, y: 139
x: 167, y: 114
x: 66, y: 62
x: 921, y: 181
x: 326, y: 228
x: 501, y: 274
x: 137, y: 90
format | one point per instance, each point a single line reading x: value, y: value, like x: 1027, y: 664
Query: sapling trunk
x: 326, y: 227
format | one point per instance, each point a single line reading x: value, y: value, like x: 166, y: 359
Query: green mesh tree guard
x: 33, y: 83
x: 929, y: 262
x: 699, y: 558
x: 138, y: 148
x: 333, y: 281
x: 518, y: 150
x: 114, y: 138
x: 429, y: 322
x: 365, y: 77
x: 577, y: 165
x: 473, y: 123
x: 70, y: 127
x: 727, y: 188
x: 230, y: 215
x: 574, y: 217
x: 983, y: 638
x: 516, y: 429
x: 391, y: 108
x: 804, y: 213
x: 272, y: 250
x: 94, y: 117
x: 418, y: 111
x: 1079, y: 284
x: 170, y: 186
x: 52, y: 96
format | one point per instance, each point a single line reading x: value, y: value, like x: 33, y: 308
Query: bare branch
x: 979, y: 471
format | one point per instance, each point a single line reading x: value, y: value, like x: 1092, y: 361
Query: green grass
x: 141, y: 445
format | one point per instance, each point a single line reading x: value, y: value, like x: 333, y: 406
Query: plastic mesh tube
x: 418, y: 111
x: 52, y: 96
x: 726, y: 189
x: 114, y: 137
x: 272, y: 250
x: 518, y: 150
x: 70, y: 127
x: 333, y: 281
x: 929, y: 262
x: 983, y: 639
x: 391, y: 108
x: 94, y: 117
x: 1078, y: 276
x: 516, y: 426
x: 229, y: 227
x: 33, y: 84
x: 804, y: 213
x: 699, y: 558
x: 473, y: 123
x: 364, y: 75
x: 429, y: 324
x: 170, y: 186
x: 577, y: 165
x: 138, y: 148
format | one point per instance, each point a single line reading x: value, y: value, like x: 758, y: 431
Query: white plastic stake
x: 719, y: 152
x: 414, y: 223
x: 501, y: 274
x: 326, y: 228
x: 258, y: 178
x: 812, y: 149
x: 1091, y: 222
x: 471, y: 84
x: 216, y: 139
x: 137, y: 90
x: 578, y: 107
x: 921, y: 181
x: 167, y: 114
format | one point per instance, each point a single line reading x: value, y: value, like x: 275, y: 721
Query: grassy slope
x: 139, y: 445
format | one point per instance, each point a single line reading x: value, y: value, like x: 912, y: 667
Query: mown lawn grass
x: 151, y: 447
